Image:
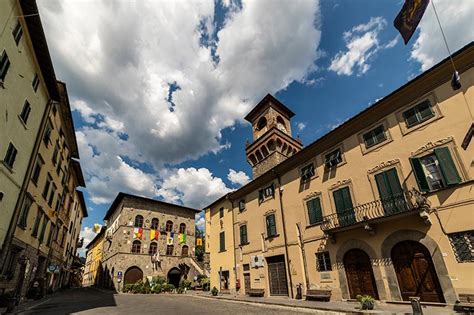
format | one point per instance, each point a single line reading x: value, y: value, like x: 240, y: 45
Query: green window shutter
x: 419, y: 174
x: 271, y: 229
x: 243, y: 234
x: 450, y: 173
x: 222, y: 241
x: 346, y: 196
x: 338, y: 201
x: 314, y: 211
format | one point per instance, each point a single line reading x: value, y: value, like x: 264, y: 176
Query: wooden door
x: 132, y: 275
x: 359, y: 273
x: 247, y: 283
x: 390, y: 191
x: 415, y: 271
x: 277, y: 275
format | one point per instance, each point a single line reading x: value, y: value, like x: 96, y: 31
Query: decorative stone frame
x: 380, y: 168
x: 308, y: 197
x: 436, y: 255
x: 431, y: 97
x: 338, y: 185
x: 238, y: 225
x: 300, y: 168
x: 388, y: 136
x: 339, y: 146
x: 265, y: 215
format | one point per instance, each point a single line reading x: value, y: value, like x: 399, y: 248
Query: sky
x: 159, y: 89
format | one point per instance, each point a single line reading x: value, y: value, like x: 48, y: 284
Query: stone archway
x: 358, y: 244
x: 133, y: 275
x: 174, y: 277
x: 359, y: 274
x: 436, y: 256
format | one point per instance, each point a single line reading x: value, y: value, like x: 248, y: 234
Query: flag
x: 199, y: 241
x: 409, y: 17
x: 172, y: 234
x: 97, y: 227
x: 137, y: 233
x: 456, y: 81
x: 182, y: 238
x: 154, y: 234
x: 169, y: 241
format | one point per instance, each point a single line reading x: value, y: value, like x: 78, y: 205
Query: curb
x: 27, y: 307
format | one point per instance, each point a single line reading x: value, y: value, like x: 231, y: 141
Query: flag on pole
x: 182, y: 238
x: 409, y: 17
x: 138, y: 233
x: 199, y: 241
x: 169, y: 241
x: 154, y: 234
x: 97, y: 227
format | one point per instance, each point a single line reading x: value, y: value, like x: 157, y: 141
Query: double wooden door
x: 359, y: 274
x: 277, y: 275
x: 415, y: 271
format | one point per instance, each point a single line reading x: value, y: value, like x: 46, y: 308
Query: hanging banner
x: 137, y: 233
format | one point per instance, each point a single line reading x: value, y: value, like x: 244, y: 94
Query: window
x: 221, y: 213
x: 154, y: 224
x: 58, y: 205
x: 46, y: 186
x: 243, y: 235
x: 12, y: 261
x: 10, y: 156
x: 4, y: 66
x: 24, y: 212
x: 153, y: 248
x: 184, y: 250
x: 51, y: 195
x: 333, y: 158
x: 343, y: 200
x: 43, y: 229
x: 55, y: 153
x: 315, y: 213
x: 169, y: 250
x: 418, y: 114
x: 307, y: 172
x: 266, y: 193
x: 35, y: 82
x: 374, y: 136
x: 323, y: 261
x: 63, y: 236
x: 17, y: 33
x: 241, y: 205
x: 25, y: 112
x: 39, y: 215
x: 271, y: 225
x: 136, y: 247
x: 436, y: 170
x: 54, y: 109
x: 138, y: 221
x: 169, y: 226
x: 47, y: 134
x: 222, y: 241
x: 182, y: 228
x: 58, y: 168
x: 463, y: 245
x: 37, y: 170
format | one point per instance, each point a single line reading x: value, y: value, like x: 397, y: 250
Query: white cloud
x: 301, y: 126
x: 457, y: 20
x: 200, y: 223
x: 237, y: 178
x: 362, y: 43
x: 119, y: 76
x: 88, y: 234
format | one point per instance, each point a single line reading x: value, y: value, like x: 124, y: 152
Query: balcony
x: 363, y: 215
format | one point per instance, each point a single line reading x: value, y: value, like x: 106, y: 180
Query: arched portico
x: 174, y: 276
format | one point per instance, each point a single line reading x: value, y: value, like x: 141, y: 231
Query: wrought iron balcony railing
x: 406, y: 201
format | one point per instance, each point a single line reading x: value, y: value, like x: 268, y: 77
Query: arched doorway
x: 174, y: 277
x: 415, y: 271
x: 133, y: 275
x: 359, y: 274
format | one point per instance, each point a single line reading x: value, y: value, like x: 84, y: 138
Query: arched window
x: 169, y: 226
x: 184, y: 250
x: 154, y: 224
x: 138, y: 221
x: 136, y: 247
x: 182, y: 228
x: 169, y: 250
x: 262, y: 123
x: 153, y: 248
x: 281, y: 124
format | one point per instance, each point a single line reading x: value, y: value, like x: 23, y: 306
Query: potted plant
x: 214, y: 291
x: 366, y: 302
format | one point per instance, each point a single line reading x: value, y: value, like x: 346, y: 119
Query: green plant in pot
x: 214, y: 291
x: 366, y: 302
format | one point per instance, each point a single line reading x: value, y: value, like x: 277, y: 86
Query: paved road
x: 91, y: 301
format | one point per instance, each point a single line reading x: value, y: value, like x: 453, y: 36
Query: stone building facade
x: 132, y: 252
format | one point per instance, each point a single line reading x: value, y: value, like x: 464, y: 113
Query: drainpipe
x: 234, y: 242
x: 280, y: 194
x: 303, y: 252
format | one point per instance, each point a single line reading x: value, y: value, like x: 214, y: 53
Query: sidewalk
x: 336, y: 306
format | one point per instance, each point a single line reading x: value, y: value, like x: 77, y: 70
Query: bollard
x: 416, y: 305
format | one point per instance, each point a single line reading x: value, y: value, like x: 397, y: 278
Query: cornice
x: 383, y: 165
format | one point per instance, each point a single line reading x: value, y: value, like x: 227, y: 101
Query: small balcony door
x: 344, y: 207
x: 390, y: 191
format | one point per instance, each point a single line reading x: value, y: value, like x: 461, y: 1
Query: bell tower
x: 272, y: 139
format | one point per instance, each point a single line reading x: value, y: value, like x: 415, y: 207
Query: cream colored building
x: 93, y: 268
x: 381, y: 205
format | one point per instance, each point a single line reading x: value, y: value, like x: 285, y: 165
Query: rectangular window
x: 55, y: 153
x: 4, y: 66
x: 222, y: 241
x: 47, y: 134
x: 25, y: 112
x: 51, y: 195
x: 43, y: 229
x: 50, y: 235
x: 243, y: 235
x: 63, y: 236
x: 37, y: 170
x: 435, y: 171
x: 323, y: 261
x: 35, y: 82
x: 307, y: 172
x: 266, y: 192
x: 418, y: 114
x: 241, y: 205
x: 58, y: 168
x: 315, y: 213
x: 58, y: 204
x: 221, y: 213
x: 271, y: 225
x: 374, y: 136
x: 24, y: 212
x: 463, y: 246
x: 49, y: 179
x: 10, y: 156
x: 39, y: 215
x: 17, y: 33
x: 333, y: 158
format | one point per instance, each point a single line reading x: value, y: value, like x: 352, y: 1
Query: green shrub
x: 158, y: 280
x: 366, y: 302
x: 206, y: 284
x: 180, y: 290
x: 168, y: 287
x: 128, y: 287
x: 185, y: 284
x: 214, y: 291
x: 138, y: 287
x: 156, y: 288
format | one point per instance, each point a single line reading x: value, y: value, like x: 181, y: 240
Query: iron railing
x: 404, y: 202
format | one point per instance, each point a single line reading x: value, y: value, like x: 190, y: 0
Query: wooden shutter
x: 446, y: 163
x: 419, y: 174
x: 243, y: 234
x: 222, y: 241
x: 271, y: 230
x: 346, y: 197
x: 315, y: 214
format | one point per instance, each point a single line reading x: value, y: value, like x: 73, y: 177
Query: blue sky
x: 159, y: 89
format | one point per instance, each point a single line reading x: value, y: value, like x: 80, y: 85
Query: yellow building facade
x: 382, y: 205
x: 93, y: 268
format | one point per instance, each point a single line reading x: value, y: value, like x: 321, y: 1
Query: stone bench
x: 313, y: 294
x: 465, y: 303
x: 256, y: 292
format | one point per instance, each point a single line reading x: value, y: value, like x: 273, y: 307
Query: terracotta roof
x: 261, y: 105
